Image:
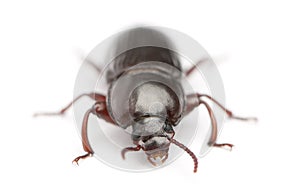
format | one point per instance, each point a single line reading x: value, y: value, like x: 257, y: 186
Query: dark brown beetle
x: 156, y: 102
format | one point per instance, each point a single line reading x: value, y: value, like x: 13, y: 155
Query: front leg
x: 214, y: 133
x: 97, y: 108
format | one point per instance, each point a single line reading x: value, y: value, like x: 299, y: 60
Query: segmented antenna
x: 180, y: 145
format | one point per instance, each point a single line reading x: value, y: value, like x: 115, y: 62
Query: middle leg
x: 228, y: 112
x: 95, y: 96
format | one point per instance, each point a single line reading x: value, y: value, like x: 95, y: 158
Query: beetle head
x: 151, y: 134
x: 153, y: 137
x: 156, y: 149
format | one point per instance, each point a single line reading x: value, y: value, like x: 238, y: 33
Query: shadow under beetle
x: 156, y: 104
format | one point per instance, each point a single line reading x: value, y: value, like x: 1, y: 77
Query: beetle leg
x: 214, y: 132
x: 193, y: 100
x: 92, y: 64
x: 228, y: 112
x: 137, y: 148
x: 83, y: 58
x: 94, y: 96
x: 85, y: 141
x: 193, y: 68
x: 98, y: 107
x: 82, y: 157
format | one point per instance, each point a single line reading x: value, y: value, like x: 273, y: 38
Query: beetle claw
x: 81, y: 157
x: 224, y: 145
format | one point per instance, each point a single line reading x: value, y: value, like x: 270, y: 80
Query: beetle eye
x: 135, y: 137
x: 168, y: 128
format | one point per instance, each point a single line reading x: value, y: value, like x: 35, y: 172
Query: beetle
x: 156, y: 101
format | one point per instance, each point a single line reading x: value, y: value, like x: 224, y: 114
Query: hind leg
x: 193, y: 101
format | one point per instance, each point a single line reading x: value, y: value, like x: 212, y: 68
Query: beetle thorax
x: 153, y: 99
x: 149, y: 88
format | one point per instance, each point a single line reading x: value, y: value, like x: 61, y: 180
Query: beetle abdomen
x: 141, y: 45
x: 138, y: 55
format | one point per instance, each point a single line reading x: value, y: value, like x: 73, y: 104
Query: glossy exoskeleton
x: 156, y: 102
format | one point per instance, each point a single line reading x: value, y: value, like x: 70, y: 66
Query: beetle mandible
x: 156, y: 102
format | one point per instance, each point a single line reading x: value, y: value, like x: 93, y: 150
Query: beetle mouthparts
x: 157, y: 159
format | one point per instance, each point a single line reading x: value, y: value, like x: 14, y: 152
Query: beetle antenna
x: 180, y: 145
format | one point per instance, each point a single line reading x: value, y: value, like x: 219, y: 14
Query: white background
x: 257, y: 44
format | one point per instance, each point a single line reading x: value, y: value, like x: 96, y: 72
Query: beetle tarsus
x: 62, y: 112
x: 89, y: 154
x: 224, y: 145
x: 254, y: 119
